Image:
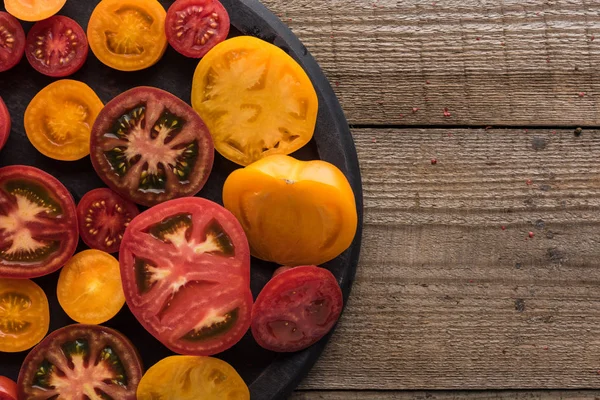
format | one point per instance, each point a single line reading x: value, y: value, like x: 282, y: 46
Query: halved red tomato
x: 5, y: 123
x: 57, y: 46
x: 12, y: 41
x: 103, y: 216
x: 185, y: 268
x: 296, y: 308
x: 193, y: 27
x: 8, y: 389
x: 150, y: 146
x: 81, y: 362
x: 38, y: 223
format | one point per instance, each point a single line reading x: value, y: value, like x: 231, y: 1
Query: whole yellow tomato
x: 293, y: 212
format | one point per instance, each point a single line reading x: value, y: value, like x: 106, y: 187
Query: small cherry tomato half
x: 59, y: 119
x: 8, y: 389
x: 56, y: 46
x: 89, y: 287
x: 293, y: 212
x: 192, y: 378
x: 185, y: 267
x: 81, y: 362
x: 193, y: 27
x: 5, y: 123
x: 296, y: 309
x: 24, y: 314
x: 103, y: 216
x: 33, y: 10
x: 128, y: 35
x: 255, y: 99
x: 150, y: 146
x: 12, y: 41
x: 38, y: 223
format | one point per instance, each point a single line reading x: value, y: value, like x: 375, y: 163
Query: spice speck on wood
x: 433, y: 161
x: 520, y: 305
x: 531, y: 235
x: 578, y: 131
x: 415, y: 109
x: 528, y: 181
x: 446, y: 112
x: 581, y: 94
x: 503, y: 227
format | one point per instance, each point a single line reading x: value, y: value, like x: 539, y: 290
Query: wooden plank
x: 453, y: 395
x: 444, y: 297
x: 490, y: 62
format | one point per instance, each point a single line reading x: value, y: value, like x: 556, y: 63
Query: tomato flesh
x: 12, y: 41
x: 185, y: 268
x: 8, y: 389
x: 5, y: 123
x: 103, y: 216
x: 38, y: 223
x: 296, y: 308
x: 193, y: 27
x: 150, y: 146
x: 56, y: 46
x: 81, y: 362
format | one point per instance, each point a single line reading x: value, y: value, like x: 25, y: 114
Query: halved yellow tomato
x: 89, y: 287
x: 24, y: 314
x: 192, y: 378
x: 59, y: 119
x: 293, y: 212
x: 255, y: 99
x: 33, y: 10
x: 128, y: 35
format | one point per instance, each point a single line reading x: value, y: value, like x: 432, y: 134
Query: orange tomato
x: 33, y: 10
x: 293, y: 212
x: 128, y: 35
x: 255, y: 99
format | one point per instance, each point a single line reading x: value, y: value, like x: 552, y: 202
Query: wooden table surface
x: 480, y: 272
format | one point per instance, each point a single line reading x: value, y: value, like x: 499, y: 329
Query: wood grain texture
x: 489, y: 62
x: 454, y: 395
x: 444, y: 297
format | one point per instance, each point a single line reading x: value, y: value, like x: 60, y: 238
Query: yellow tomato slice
x: 128, y: 35
x: 33, y: 10
x: 24, y: 314
x: 293, y: 212
x: 255, y: 99
x: 192, y: 378
x: 89, y: 287
x: 59, y: 119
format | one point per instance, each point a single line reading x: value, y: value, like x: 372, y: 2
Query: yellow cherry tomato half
x: 33, y: 10
x: 24, y: 315
x: 293, y: 212
x: 255, y: 99
x: 128, y: 35
x: 59, y: 119
x: 89, y: 287
x: 192, y: 378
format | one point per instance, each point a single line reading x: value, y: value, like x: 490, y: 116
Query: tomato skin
x: 8, y: 389
x: 293, y: 212
x: 184, y: 39
x: 9, y: 57
x: 35, y: 10
x: 5, y: 123
x: 296, y: 309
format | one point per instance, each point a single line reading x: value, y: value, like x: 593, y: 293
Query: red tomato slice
x: 57, y: 46
x: 8, y: 389
x: 185, y: 268
x: 103, y: 216
x: 5, y: 123
x: 12, y: 41
x: 38, y: 223
x: 193, y: 27
x: 296, y: 308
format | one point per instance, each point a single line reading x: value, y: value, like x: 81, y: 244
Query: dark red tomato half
x: 8, y: 389
x: 38, y: 223
x: 296, y: 308
x: 5, y: 123
x: 150, y: 146
x: 56, y: 46
x: 12, y: 41
x: 185, y: 268
x: 193, y: 27
x: 103, y: 216
x: 81, y: 362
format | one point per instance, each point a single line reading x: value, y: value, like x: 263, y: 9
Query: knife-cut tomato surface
x: 38, y: 223
x: 293, y: 212
x: 24, y: 314
x: 5, y: 123
x: 185, y: 267
x: 296, y: 308
x: 33, y: 10
x: 12, y: 41
x: 255, y: 98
